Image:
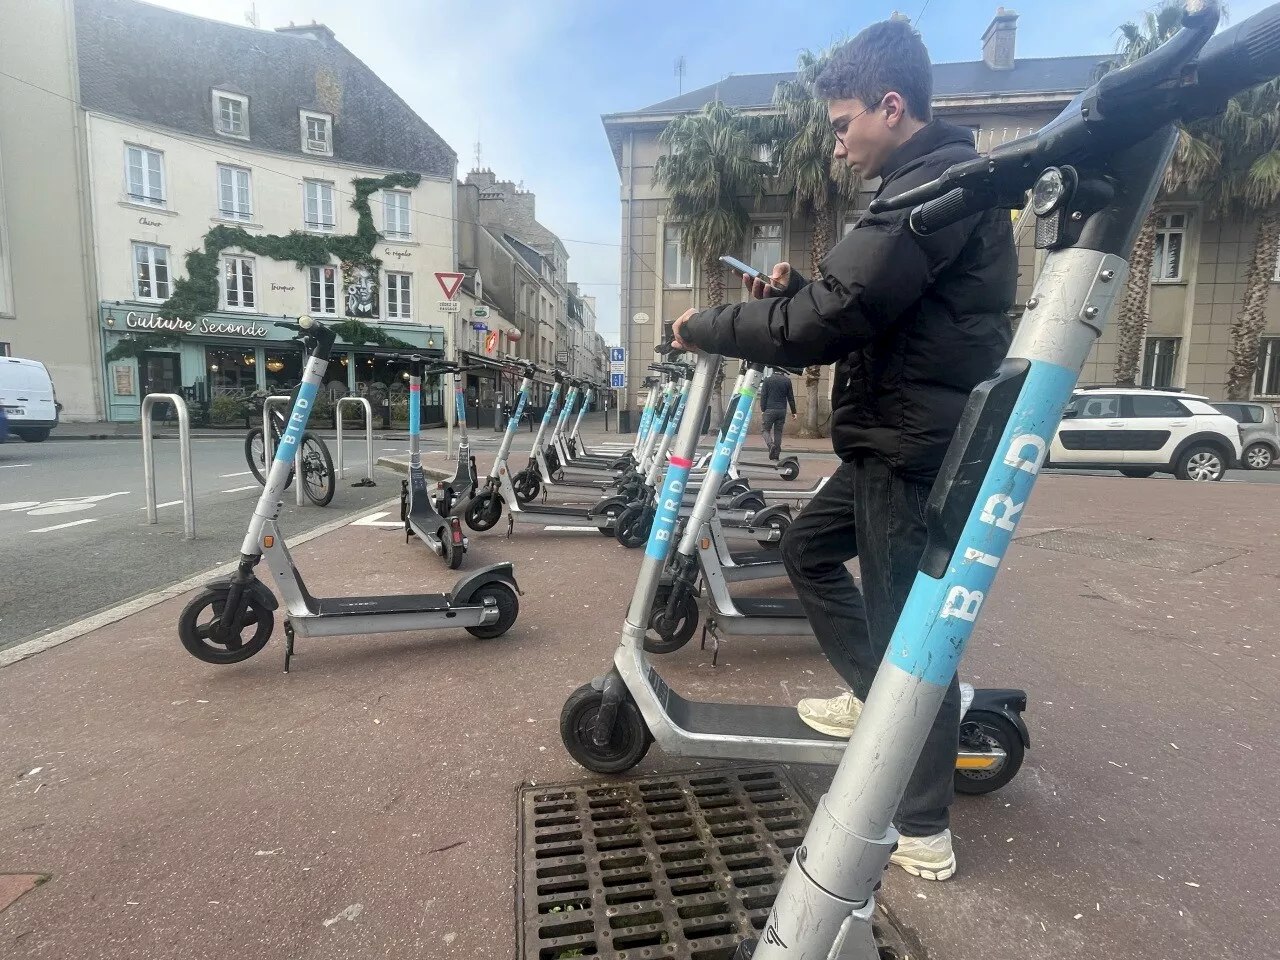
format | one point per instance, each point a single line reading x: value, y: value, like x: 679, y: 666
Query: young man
x: 775, y: 395
x: 912, y: 324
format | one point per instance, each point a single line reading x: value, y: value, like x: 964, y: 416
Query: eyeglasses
x: 840, y: 128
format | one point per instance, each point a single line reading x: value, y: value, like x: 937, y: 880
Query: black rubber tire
x: 251, y: 457
x: 33, y: 434
x: 789, y: 469
x: 623, y: 463
x: 484, y: 510
x: 319, y: 482
x: 195, y: 637
x: 626, y: 747
x: 527, y: 485
x: 753, y: 502
x: 781, y: 524
x: 1137, y: 474
x: 733, y: 487
x: 508, y: 610
x: 1261, y: 454
x: 997, y: 728
x: 1182, y: 469
x: 452, y: 553
x: 658, y: 638
x: 632, y: 527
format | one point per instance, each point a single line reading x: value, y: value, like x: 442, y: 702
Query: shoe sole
x: 928, y: 871
x: 843, y: 733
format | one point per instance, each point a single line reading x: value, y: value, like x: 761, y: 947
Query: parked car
x: 1259, y: 433
x: 1141, y: 432
x: 28, y: 399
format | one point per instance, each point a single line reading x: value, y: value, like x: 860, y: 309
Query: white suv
x: 1140, y: 432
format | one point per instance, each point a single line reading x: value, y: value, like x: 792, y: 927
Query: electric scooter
x: 1093, y: 173
x: 485, y: 508
x: 232, y: 618
x: 424, y: 517
x: 456, y: 491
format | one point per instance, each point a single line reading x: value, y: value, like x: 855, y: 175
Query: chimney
x: 312, y: 30
x: 997, y: 42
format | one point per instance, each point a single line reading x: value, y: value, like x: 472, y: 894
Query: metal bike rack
x: 184, y: 455
x: 368, y: 439
x: 268, y: 446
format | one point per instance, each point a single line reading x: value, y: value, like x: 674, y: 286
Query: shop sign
x: 205, y: 326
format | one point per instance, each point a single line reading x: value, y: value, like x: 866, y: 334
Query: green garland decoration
x: 197, y: 292
x: 356, y: 332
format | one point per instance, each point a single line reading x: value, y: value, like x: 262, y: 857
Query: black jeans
x: 868, y: 512
x: 774, y: 421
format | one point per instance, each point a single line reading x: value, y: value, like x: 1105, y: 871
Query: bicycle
x: 318, y: 479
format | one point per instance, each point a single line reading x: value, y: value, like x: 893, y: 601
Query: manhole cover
x: 675, y: 866
x: 1178, y: 556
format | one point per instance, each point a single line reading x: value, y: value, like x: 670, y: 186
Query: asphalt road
x: 73, y: 531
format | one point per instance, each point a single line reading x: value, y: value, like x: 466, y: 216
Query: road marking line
x: 73, y: 631
x: 63, y: 526
x: 13, y: 466
x: 167, y: 503
x: 373, y: 520
x: 572, y: 529
x: 252, y: 486
x: 242, y: 473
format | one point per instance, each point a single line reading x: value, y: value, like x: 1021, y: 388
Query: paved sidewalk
x: 365, y: 805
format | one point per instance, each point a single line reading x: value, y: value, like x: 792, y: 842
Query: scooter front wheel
x: 633, y: 524
x: 483, y: 512
x: 508, y: 610
x: 628, y: 740
x: 671, y: 634
x: 526, y: 485
x: 991, y: 753
x: 195, y: 629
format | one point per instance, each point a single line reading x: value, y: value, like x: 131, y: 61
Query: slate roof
x: 969, y: 78
x: 146, y: 63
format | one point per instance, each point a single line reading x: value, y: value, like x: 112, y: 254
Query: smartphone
x: 750, y: 271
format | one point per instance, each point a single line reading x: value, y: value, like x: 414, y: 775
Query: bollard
x: 368, y: 439
x: 184, y: 454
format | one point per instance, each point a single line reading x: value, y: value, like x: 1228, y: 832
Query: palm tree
x: 1190, y: 164
x: 711, y: 173
x: 818, y: 183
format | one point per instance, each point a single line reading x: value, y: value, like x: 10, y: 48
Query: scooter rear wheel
x: 483, y: 512
x: 196, y: 635
x: 452, y: 553
x: 731, y: 487
x: 781, y: 524
x: 979, y: 731
x: 752, y: 502
x: 628, y: 741
x: 508, y: 610
x: 789, y: 469
x: 633, y: 524
x: 674, y: 634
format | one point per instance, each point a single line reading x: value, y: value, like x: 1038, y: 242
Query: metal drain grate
x: 677, y: 866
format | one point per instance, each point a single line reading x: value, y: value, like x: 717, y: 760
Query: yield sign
x: 449, y: 283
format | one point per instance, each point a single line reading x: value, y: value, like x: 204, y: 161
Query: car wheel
x: 1258, y: 456
x: 1200, y: 462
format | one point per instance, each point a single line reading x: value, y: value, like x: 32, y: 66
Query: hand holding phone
x: 749, y: 271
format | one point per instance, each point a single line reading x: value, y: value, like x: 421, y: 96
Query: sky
x: 529, y: 81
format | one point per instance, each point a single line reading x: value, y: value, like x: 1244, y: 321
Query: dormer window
x: 231, y: 114
x: 317, y: 133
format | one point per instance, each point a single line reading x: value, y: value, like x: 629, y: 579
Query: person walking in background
x: 775, y: 394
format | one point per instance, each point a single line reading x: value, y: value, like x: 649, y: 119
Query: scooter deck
x: 787, y: 608
x: 740, y: 720
x: 751, y: 558
x: 551, y: 510
x: 360, y: 606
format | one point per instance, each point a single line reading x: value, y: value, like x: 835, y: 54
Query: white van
x: 27, y: 398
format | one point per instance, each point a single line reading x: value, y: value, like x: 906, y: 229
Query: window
x: 766, y: 246
x: 1171, y: 232
x: 237, y: 283
x: 399, y: 297
x: 322, y: 286
x: 677, y: 265
x: 1242, y: 412
x: 6, y: 348
x: 231, y: 114
x: 1155, y: 405
x: 1160, y: 362
x: 144, y: 175
x: 1092, y: 407
x: 316, y: 133
x: 234, y: 201
x: 1266, y: 382
x: 396, y: 205
x: 150, y: 272
x: 319, y: 209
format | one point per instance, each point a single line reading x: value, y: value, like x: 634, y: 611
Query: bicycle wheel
x: 255, y: 455
x: 318, y: 480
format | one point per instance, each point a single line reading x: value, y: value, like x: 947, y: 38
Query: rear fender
x: 762, y: 517
x: 467, y: 586
x: 1009, y: 704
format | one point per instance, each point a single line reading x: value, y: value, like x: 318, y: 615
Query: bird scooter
x: 456, y: 491
x: 1093, y: 173
x: 232, y: 618
x: 426, y: 517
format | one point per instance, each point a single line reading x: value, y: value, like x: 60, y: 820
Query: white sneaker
x: 930, y: 858
x: 835, y: 717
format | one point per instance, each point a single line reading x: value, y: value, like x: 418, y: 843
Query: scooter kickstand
x: 511, y: 524
x: 288, y: 644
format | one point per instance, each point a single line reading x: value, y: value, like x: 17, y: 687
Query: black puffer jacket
x: 912, y: 323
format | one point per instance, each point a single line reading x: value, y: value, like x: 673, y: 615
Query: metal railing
x: 268, y: 446
x: 184, y: 455
x: 368, y: 439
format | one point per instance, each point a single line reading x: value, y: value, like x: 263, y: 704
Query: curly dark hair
x: 886, y: 57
